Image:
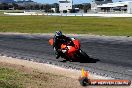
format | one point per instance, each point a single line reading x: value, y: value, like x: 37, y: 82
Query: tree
x: 37, y: 7
x: 86, y: 7
x: 15, y: 6
x: 4, y: 6
x: 47, y: 8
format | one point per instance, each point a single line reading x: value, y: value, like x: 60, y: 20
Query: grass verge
x: 21, y: 78
x: 79, y: 25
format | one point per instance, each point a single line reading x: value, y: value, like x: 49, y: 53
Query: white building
x: 117, y: 6
x: 98, y: 2
x: 65, y: 5
x: 129, y: 7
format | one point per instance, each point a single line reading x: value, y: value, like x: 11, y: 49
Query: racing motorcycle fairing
x: 71, y: 50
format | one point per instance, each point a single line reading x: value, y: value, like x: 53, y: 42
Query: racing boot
x: 57, y: 55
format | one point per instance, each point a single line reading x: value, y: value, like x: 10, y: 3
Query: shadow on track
x: 87, y: 60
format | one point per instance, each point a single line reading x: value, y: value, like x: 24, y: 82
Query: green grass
x: 80, y: 25
x: 14, y: 78
x: 1, y: 13
x: 8, y: 77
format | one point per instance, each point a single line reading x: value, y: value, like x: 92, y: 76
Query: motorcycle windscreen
x: 51, y: 41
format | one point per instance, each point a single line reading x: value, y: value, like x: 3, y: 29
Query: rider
x: 59, y: 39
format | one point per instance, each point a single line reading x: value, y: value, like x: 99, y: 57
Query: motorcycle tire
x: 84, y: 55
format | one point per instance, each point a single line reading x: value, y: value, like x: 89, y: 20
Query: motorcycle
x: 71, y: 50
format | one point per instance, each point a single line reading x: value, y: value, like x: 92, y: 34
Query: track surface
x: 111, y: 57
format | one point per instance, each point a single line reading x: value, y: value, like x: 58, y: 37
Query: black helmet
x: 58, y: 33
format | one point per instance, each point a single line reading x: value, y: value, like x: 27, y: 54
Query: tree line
x: 44, y: 7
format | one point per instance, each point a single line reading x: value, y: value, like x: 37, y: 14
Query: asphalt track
x: 110, y: 57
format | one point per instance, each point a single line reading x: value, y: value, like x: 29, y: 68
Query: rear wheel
x: 83, y: 55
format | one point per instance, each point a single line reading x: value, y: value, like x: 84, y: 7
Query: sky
x: 74, y: 1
